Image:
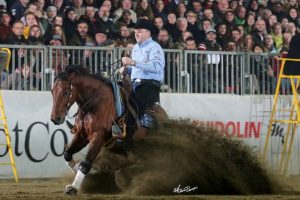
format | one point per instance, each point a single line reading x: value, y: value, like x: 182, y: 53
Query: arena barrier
x: 38, y: 144
x: 186, y: 71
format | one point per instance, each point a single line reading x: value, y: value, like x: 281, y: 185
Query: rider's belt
x: 154, y: 82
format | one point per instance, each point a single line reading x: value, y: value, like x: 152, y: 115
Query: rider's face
x: 142, y: 35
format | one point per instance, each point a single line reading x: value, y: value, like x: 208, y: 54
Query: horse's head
x: 64, y: 95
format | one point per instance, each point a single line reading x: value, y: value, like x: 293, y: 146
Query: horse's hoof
x: 70, y: 190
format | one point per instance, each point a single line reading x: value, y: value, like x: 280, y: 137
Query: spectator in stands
x: 292, y: 15
x: 101, y: 38
x: 106, y: 22
x: 222, y: 34
x: 197, y: 8
x: 126, y: 19
x: 19, y: 79
x: 180, y: 43
x: 69, y: 22
x: 78, y: 7
x: 59, y: 57
x: 270, y: 23
x: 90, y: 19
x: 240, y: 15
x: 205, y: 25
x: 170, y: 26
x: 5, y: 27
x: 59, y: 4
x: 236, y: 36
x: 211, y: 42
x: 94, y: 3
x: 81, y: 37
x: 181, y: 25
x: 51, y: 13
x: 181, y: 9
x: 269, y: 44
x: 165, y: 40
x: 233, y: 4
x: 30, y: 20
x: 284, y: 24
x: 278, y: 10
x: 277, y: 35
x: 143, y: 8
x: 222, y: 7
x: 125, y: 4
x: 247, y: 43
x: 125, y: 37
x: 159, y: 10
x: 292, y: 28
x: 16, y: 37
x: 249, y: 23
x: 193, y: 27
x: 40, y: 13
x: 58, y: 31
x: 31, y: 7
x: 265, y: 14
x: 57, y: 20
x: 286, y: 39
x: 158, y: 22
x: 259, y: 32
x: 18, y: 9
x: 209, y: 15
x: 35, y: 35
x: 230, y: 19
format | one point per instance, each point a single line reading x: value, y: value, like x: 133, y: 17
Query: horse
x: 93, y: 123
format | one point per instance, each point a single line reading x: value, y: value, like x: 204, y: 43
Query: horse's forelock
x: 77, y: 69
x: 61, y: 76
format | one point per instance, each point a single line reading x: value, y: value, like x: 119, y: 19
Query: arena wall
x: 38, y: 144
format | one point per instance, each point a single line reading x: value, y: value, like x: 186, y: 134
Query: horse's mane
x: 81, y: 71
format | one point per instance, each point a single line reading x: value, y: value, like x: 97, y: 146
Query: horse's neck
x: 87, y: 88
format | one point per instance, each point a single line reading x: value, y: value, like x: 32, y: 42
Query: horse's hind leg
x: 78, y: 143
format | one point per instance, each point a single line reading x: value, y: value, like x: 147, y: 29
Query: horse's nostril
x: 58, y: 119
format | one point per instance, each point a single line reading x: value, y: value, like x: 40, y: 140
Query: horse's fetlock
x: 85, y: 166
x: 68, y: 157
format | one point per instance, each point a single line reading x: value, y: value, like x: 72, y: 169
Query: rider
x: 146, y: 67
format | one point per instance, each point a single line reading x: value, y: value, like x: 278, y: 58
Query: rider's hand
x: 128, y: 61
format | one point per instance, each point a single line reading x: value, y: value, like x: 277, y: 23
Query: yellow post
x: 291, y: 121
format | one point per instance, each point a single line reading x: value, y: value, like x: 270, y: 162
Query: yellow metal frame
x: 3, y: 123
x: 9, y: 56
x: 292, y: 121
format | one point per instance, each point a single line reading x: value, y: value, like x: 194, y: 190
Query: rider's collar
x: 146, y: 42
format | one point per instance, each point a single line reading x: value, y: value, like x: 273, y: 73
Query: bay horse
x: 93, y: 123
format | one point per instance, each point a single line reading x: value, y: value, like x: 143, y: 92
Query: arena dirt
x: 176, y: 154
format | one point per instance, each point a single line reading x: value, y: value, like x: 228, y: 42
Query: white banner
x: 38, y: 144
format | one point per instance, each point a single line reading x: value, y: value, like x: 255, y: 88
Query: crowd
x: 204, y: 25
x: 227, y: 25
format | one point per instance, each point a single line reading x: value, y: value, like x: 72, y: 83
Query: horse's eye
x: 66, y: 93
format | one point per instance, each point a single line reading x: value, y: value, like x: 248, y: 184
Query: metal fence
x: 186, y: 71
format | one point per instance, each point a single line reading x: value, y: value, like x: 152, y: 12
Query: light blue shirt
x: 149, y: 61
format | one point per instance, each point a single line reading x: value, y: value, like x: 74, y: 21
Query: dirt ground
x: 54, y: 189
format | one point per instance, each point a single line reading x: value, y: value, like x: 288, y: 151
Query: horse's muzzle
x: 58, y: 120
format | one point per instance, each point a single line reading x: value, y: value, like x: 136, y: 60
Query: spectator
x: 249, y: 23
x: 159, y: 10
x: 81, y: 37
x: 284, y: 24
x: 253, y: 6
x: 278, y: 10
x: 236, y: 37
x: 90, y: 19
x: 93, y: 3
x: 190, y: 44
x: 277, y: 35
x: 242, y: 29
x: 211, y: 42
x: 180, y: 43
x: 170, y: 26
x: 158, y: 22
x: 5, y: 27
x: 269, y: 44
x: 197, y: 8
x: 106, y: 22
x: 247, y: 43
x: 124, y: 37
x: 57, y: 20
x: 206, y: 24
x: 18, y: 9
x: 40, y: 13
x: 230, y: 19
x: 144, y: 9
x: 31, y: 7
x: 78, y: 7
x: 259, y: 32
x: 181, y: 9
x: 222, y: 7
x: 222, y: 34
x: 270, y: 23
x: 59, y: 57
x: 240, y: 15
x: 51, y: 13
x: 164, y: 39
x: 292, y: 15
x: 291, y: 4
x: 266, y: 14
x: 293, y: 68
x: 70, y: 22
x: 209, y: 15
x: 193, y: 27
x: 286, y: 39
x: 101, y: 38
x: 30, y: 20
x: 126, y: 19
x: 233, y: 4
x: 58, y: 31
x: 292, y: 28
x: 35, y: 35
x: 125, y: 4
x: 16, y: 36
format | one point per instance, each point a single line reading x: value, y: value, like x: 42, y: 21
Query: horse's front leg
x: 84, y: 168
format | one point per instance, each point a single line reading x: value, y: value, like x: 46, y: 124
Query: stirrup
x: 116, y: 131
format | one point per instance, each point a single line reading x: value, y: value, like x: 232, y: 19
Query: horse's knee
x: 68, y: 157
x: 85, y: 166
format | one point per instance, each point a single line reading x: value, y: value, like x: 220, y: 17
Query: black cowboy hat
x: 146, y: 24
